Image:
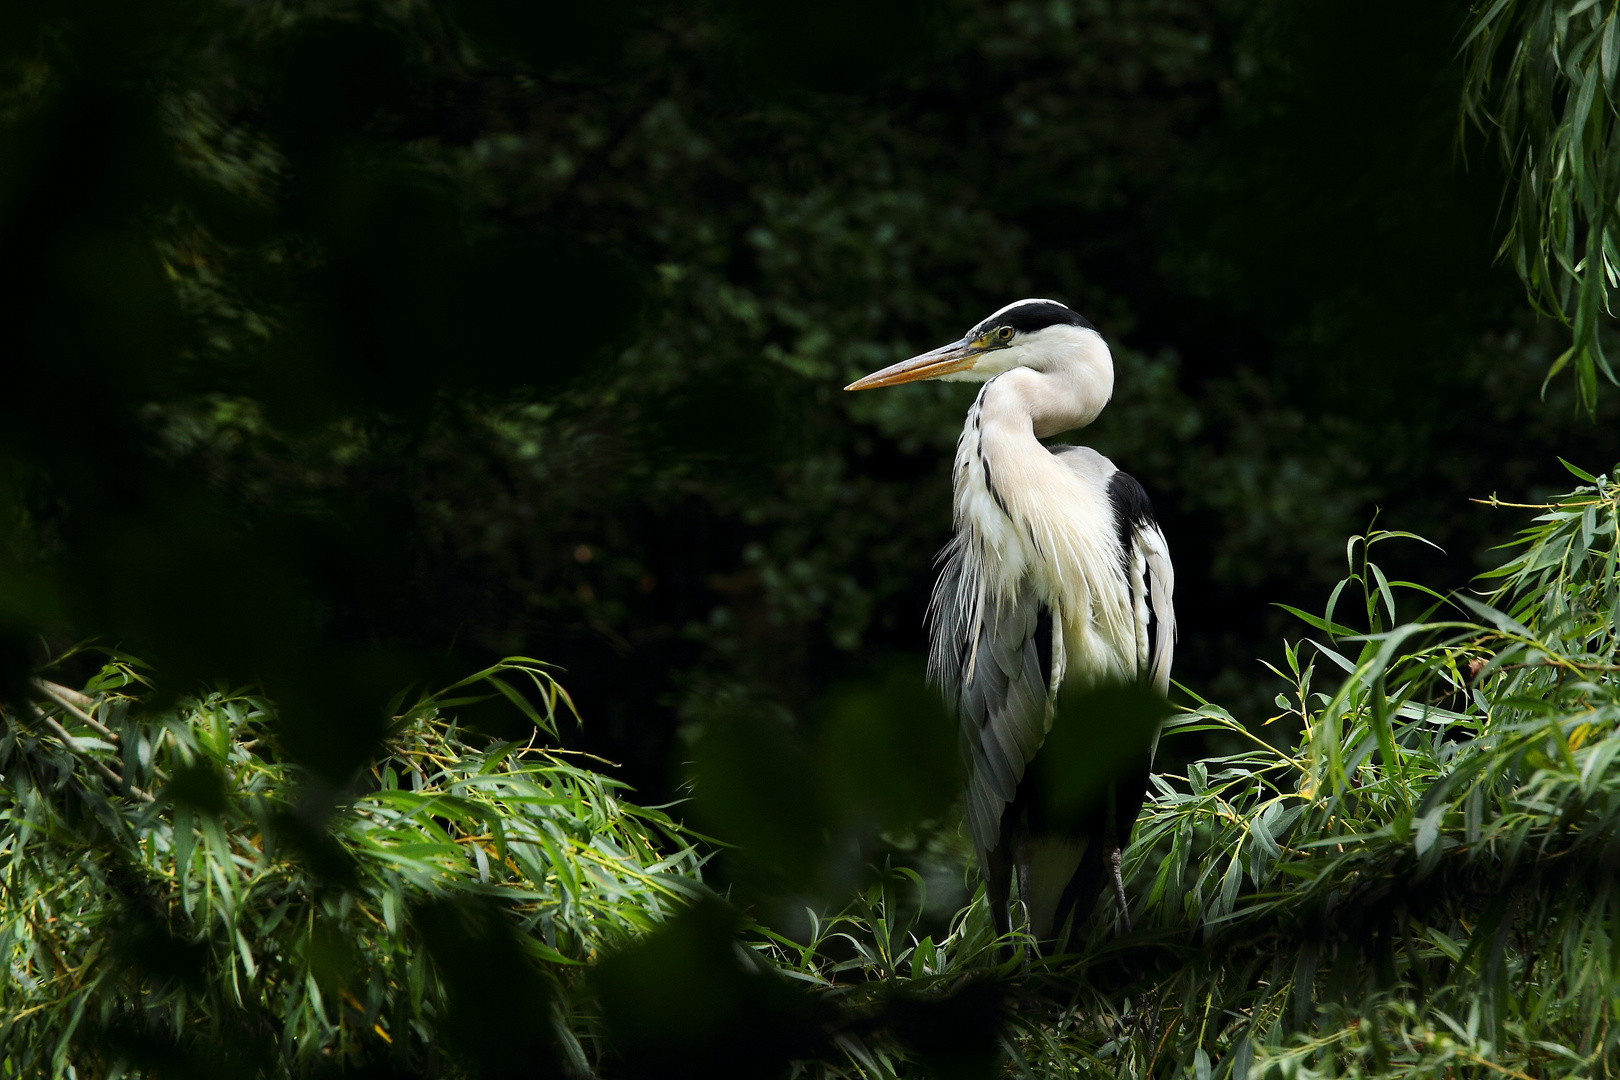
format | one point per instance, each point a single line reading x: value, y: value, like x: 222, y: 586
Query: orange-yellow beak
x: 946, y: 360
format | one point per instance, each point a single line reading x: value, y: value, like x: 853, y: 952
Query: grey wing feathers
x: 1159, y: 595
x: 991, y: 662
x: 1152, y: 577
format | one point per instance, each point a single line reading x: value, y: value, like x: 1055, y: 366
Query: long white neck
x: 1032, y: 519
x: 1069, y: 380
x: 1004, y: 478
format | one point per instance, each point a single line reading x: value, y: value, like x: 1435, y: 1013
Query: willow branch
x: 61, y: 735
x: 64, y: 697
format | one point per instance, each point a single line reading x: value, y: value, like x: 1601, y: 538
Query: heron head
x: 1036, y: 334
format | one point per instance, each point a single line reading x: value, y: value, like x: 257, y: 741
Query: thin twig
x: 64, y: 697
x: 1504, y: 1070
x: 1493, y: 501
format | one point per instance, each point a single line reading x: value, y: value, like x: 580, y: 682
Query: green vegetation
x: 1421, y: 884
x: 178, y: 895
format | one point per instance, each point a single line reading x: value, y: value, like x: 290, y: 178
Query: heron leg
x: 1113, y: 854
x: 1021, y: 857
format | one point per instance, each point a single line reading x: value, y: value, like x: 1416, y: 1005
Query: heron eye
x: 1005, y: 333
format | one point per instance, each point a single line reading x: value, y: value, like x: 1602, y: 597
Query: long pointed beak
x: 957, y: 356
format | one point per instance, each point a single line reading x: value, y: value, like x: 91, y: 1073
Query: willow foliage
x: 175, y: 896
x: 1542, y: 80
x: 1423, y: 884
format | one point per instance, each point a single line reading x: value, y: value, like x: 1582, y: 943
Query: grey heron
x: 1057, y: 580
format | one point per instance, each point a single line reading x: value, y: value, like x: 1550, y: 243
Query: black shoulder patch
x: 1043, y: 643
x: 1032, y: 315
x: 1131, y: 509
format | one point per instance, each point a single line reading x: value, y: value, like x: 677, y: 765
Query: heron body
x: 1057, y: 581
